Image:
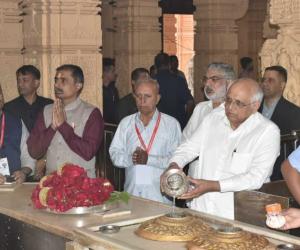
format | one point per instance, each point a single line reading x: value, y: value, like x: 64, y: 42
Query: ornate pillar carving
x: 269, y: 30
x: 138, y: 38
x: 285, y: 49
x: 108, y: 23
x: 58, y: 32
x: 11, y: 44
x: 216, y: 37
x: 250, y: 32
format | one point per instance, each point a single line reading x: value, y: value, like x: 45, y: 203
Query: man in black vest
x: 283, y: 113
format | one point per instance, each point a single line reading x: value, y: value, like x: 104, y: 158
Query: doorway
x: 178, y: 34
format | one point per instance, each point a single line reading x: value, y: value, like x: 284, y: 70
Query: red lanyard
x: 152, y: 136
x: 2, y: 130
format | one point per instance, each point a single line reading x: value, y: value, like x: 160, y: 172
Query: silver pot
x: 174, y: 183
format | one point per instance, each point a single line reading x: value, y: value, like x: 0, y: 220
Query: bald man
x: 237, y: 148
x: 144, y: 143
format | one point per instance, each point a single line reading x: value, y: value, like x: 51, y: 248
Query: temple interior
x: 47, y: 34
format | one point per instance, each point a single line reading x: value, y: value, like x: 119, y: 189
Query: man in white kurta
x: 237, y: 148
x: 143, y: 179
x: 218, y: 77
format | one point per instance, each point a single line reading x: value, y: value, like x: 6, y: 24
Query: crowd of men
x: 231, y: 142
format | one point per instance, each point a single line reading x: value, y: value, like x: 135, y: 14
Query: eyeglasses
x: 214, y: 79
x: 236, y: 103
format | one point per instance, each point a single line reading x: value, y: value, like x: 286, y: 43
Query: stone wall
x: 11, y: 46
x: 48, y: 34
x: 285, y: 48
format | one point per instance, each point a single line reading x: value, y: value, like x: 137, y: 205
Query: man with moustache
x: 15, y: 161
x: 144, y: 143
x: 219, y: 76
x: 70, y: 130
x: 237, y: 148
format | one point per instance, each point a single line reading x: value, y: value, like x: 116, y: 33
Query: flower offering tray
x: 86, y: 210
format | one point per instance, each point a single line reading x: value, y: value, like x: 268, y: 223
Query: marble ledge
x: 81, y: 228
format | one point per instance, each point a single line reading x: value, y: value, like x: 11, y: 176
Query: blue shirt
x: 294, y: 159
x: 268, y: 111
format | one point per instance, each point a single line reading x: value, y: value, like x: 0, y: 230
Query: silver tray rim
x: 86, y: 210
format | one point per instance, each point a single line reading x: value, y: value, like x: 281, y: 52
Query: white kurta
x: 200, y: 111
x: 144, y: 180
x: 240, y: 159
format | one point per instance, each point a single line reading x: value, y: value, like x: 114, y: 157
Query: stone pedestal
x: 285, y: 49
x: 63, y: 32
x: 11, y: 44
x: 138, y: 38
x: 216, y: 37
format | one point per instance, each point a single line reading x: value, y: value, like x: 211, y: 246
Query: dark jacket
x: 20, y: 108
x: 174, y: 95
x: 126, y: 106
x: 12, y: 140
x: 286, y: 116
x: 110, y: 100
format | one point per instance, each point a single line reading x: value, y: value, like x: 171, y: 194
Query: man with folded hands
x: 144, y: 143
x: 69, y: 130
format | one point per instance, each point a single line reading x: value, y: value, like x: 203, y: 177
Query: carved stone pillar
x: 108, y: 24
x: 285, y: 49
x: 250, y: 32
x: 169, y: 34
x: 63, y: 32
x: 269, y: 30
x: 11, y: 44
x: 216, y: 37
x: 138, y: 38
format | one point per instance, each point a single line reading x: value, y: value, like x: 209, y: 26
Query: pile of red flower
x: 70, y: 187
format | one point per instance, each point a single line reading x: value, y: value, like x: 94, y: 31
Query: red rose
x: 70, y: 187
x: 73, y: 171
x: 35, y: 198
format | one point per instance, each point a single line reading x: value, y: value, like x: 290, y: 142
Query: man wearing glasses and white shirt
x: 237, y: 148
x: 219, y: 76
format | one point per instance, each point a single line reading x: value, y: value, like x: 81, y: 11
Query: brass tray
x: 86, y: 210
